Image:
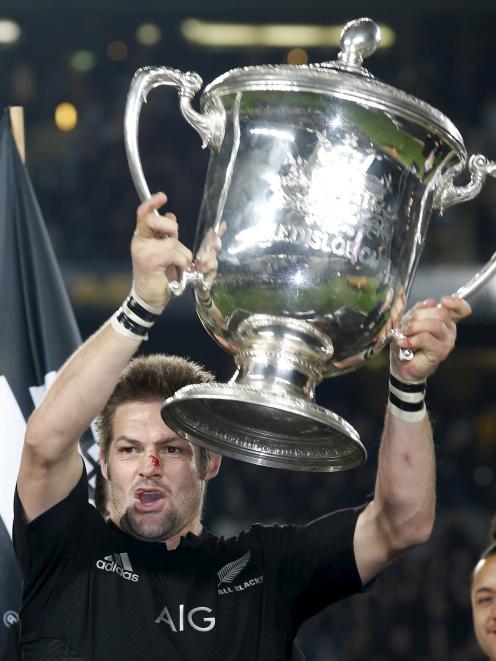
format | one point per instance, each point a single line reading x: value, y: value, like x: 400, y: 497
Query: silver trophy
x: 319, y: 191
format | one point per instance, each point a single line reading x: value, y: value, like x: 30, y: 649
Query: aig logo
x: 193, y: 618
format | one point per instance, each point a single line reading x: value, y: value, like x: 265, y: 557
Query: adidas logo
x: 118, y: 564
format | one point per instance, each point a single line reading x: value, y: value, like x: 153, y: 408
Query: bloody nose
x: 155, y: 460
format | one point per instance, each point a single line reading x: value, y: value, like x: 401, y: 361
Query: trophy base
x: 264, y: 427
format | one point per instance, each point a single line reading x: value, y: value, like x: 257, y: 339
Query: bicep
x: 42, y: 484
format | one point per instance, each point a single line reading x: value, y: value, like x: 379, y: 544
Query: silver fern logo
x: 229, y: 572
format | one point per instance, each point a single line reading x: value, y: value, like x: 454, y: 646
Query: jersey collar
x: 189, y: 540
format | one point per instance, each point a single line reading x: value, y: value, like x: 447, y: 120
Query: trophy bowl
x: 319, y: 191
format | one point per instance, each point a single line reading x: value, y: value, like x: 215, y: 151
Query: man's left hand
x: 430, y: 330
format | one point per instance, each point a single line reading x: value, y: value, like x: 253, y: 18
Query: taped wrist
x: 407, y: 400
x: 135, y: 317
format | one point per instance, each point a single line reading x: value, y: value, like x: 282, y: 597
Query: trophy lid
x: 344, y: 78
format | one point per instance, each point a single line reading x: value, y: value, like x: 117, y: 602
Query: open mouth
x: 148, y: 500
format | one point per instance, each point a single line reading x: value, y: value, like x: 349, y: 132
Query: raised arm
x: 401, y: 514
x: 50, y: 463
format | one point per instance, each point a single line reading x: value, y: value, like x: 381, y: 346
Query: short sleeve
x: 40, y: 542
x: 316, y: 562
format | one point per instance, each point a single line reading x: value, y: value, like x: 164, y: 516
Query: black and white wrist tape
x: 135, y: 317
x: 407, y: 400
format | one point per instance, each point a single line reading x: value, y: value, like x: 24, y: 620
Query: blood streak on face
x: 155, y: 460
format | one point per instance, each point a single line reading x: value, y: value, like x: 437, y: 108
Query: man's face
x: 155, y: 487
x: 484, y: 605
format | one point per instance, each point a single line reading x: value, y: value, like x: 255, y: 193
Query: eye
x: 127, y: 449
x: 174, y: 449
x: 484, y: 600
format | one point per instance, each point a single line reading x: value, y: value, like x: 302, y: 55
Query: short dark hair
x: 151, y: 378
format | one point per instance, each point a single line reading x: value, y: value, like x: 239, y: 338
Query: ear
x: 103, y: 464
x: 213, y: 466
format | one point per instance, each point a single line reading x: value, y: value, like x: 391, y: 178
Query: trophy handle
x: 447, y: 195
x: 210, y: 125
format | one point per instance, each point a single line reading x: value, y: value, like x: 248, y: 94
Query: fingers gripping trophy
x: 317, y: 201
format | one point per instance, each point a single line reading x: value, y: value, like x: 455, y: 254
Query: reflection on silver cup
x: 317, y: 201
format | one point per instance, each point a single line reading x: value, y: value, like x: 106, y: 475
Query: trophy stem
x: 266, y: 414
x: 281, y: 355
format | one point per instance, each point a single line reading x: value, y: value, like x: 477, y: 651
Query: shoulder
x: 73, y: 521
x: 257, y: 533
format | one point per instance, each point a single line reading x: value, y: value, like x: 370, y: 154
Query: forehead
x: 485, y: 574
x: 140, y: 417
x: 141, y: 421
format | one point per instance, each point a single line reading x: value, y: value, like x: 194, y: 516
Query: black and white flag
x: 38, y: 332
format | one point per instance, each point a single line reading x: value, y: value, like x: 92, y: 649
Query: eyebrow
x: 134, y: 441
x: 479, y: 590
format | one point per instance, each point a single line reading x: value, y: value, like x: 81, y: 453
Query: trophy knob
x: 359, y: 39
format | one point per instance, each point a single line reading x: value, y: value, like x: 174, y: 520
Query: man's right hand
x: 158, y: 255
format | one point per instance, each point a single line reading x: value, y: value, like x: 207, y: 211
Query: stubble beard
x: 162, y: 525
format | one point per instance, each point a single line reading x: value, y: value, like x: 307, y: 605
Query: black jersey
x: 95, y: 593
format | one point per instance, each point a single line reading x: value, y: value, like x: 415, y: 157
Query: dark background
x: 444, y: 53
